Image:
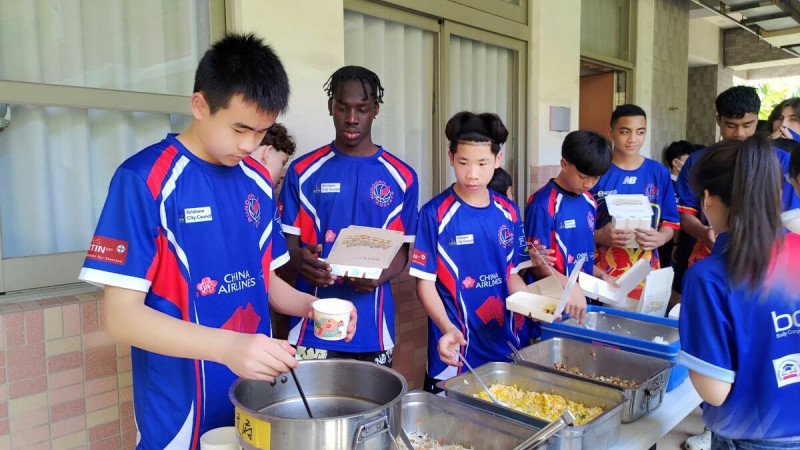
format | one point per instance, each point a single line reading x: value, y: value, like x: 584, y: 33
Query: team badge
x: 252, y: 208
x: 651, y: 191
x: 381, y: 193
x: 590, y: 220
x: 505, y: 236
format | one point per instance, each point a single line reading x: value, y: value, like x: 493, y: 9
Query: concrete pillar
x: 555, y: 73
x: 287, y: 25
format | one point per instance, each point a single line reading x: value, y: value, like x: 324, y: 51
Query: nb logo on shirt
x: 629, y: 180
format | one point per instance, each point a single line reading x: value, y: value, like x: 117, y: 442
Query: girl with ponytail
x: 740, y: 318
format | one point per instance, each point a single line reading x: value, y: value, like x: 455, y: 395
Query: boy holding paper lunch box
x: 560, y: 216
x: 620, y: 247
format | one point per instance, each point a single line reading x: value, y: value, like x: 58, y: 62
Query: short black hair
x: 678, y: 149
x: 589, y: 152
x: 501, y: 181
x: 626, y: 110
x: 242, y: 64
x: 470, y: 127
x: 355, y: 73
x: 737, y: 101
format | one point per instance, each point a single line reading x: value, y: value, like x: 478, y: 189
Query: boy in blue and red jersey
x: 632, y: 173
x: 470, y: 246
x: 561, y: 215
x: 350, y: 181
x: 737, y: 117
x: 186, y: 247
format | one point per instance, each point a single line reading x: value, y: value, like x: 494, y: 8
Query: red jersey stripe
x: 444, y: 207
x: 168, y: 281
x: 308, y: 160
x: 507, y: 205
x: 404, y: 172
x: 258, y: 167
x: 158, y: 172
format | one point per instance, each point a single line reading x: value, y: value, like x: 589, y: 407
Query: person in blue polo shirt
x: 740, y: 319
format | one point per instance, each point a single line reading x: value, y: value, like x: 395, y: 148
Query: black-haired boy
x: 351, y: 181
x: 737, y: 118
x: 186, y: 247
x: 561, y: 215
x: 632, y: 173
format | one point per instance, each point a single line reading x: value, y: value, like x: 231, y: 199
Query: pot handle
x: 650, y: 393
x: 370, y: 430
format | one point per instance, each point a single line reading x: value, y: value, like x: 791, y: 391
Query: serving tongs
x: 541, y: 437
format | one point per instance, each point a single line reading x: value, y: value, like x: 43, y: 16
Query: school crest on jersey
x: 651, y: 191
x: 505, y: 236
x: 590, y: 220
x: 252, y: 209
x: 381, y: 193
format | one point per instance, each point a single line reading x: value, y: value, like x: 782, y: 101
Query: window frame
x: 55, y: 269
x: 448, y: 17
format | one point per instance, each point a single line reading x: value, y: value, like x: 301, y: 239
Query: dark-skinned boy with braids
x: 350, y: 181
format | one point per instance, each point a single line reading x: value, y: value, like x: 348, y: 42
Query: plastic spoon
x: 483, y: 385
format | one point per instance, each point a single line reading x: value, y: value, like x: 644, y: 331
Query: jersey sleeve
x: 687, y: 201
x: 289, y: 202
x: 125, y: 243
x: 539, y: 225
x: 409, y: 215
x: 706, y: 331
x: 521, y: 258
x: 423, y: 258
x: 279, y: 253
x: 669, y: 206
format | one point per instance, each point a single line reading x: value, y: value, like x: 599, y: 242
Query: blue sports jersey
x: 562, y: 221
x: 470, y: 252
x: 750, y: 338
x: 326, y: 191
x: 200, y: 240
x: 690, y: 204
x: 651, y: 179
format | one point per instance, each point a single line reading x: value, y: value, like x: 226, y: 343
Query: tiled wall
x: 705, y: 83
x: 670, y: 63
x: 791, y: 70
x: 741, y: 47
x: 63, y: 382
x: 540, y: 175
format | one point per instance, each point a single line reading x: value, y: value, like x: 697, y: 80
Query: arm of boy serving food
x: 539, y: 227
x: 669, y: 220
x: 452, y: 337
x: 285, y: 299
x: 251, y: 356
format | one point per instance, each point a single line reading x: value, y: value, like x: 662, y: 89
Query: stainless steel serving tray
x: 628, y: 327
x: 599, y: 434
x: 456, y: 423
x: 651, y: 374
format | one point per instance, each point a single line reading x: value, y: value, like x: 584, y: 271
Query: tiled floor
x: 691, y: 425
